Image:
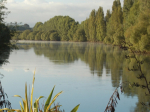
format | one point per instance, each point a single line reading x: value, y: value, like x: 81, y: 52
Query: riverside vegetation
x: 130, y: 22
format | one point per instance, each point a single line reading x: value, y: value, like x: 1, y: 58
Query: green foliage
x: 72, y: 31
x: 80, y: 35
x: 132, y: 16
x: 126, y: 8
x: 86, y: 29
x: 24, y: 34
x: 45, y: 36
x: 64, y: 25
x: 31, y: 35
x: 92, y: 26
x: 107, y: 17
x: 114, y: 26
x: 38, y: 35
x: 75, y: 108
x: 130, y: 23
x: 100, y: 25
x: 139, y: 32
x: 54, y: 36
x: 38, y: 26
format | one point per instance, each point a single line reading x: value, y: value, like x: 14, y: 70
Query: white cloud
x: 32, y: 11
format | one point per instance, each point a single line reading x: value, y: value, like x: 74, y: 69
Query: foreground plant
x: 28, y: 104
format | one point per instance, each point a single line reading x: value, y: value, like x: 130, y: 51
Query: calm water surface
x: 88, y: 73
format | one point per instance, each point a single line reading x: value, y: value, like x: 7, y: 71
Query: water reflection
x: 4, y: 55
x: 97, y: 57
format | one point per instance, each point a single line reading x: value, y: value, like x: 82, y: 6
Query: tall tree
x: 114, y: 26
x: 86, y: 29
x: 107, y: 17
x: 131, y: 20
x: 126, y: 10
x: 100, y: 25
x: 92, y: 26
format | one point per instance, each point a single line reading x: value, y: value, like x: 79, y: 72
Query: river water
x: 88, y: 73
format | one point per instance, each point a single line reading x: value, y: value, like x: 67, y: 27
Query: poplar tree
x: 107, y: 17
x: 126, y: 10
x: 24, y: 35
x: 92, y: 26
x: 131, y: 21
x: 100, y: 25
x: 86, y: 29
x: 114, y: 26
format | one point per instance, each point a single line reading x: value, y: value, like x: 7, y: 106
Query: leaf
x: 75, y: 108
x: 21, y: 98
x: 32, y: 92
x: 53, y: 100
x: 10, y: 110
x: 36, y: 104
x: 26, y: 108
x: 22, y: 110
x: 48, y: 99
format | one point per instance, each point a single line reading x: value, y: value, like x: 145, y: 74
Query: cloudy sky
x: 32, y: 11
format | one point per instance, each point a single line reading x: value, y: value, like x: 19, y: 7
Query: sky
x: 33, y: 11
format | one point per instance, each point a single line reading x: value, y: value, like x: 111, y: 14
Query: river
x: 88, y: 73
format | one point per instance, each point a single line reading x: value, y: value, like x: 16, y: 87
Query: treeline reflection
x: 99, y: 57
x: 4, y: 56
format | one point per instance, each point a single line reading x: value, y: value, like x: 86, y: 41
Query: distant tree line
x: 130, y: 23
x: 18, y: 27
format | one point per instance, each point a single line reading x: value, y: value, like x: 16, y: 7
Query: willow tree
x: 100, y: 25
x: 31, y: 35
x: 54, y: 36
x: 38, y: 26
x: 38, y: 35
x: 45, y: 35
x: 72, y: 31
x: 80, y: 35
x: 24, y: 34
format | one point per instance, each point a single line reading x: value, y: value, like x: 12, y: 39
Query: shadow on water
x: 4, y: 55
x: 100, y: 58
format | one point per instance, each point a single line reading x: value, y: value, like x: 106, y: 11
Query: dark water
x: 88, y: 73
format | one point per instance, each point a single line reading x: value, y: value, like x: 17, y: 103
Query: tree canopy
x: 130, y: 23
